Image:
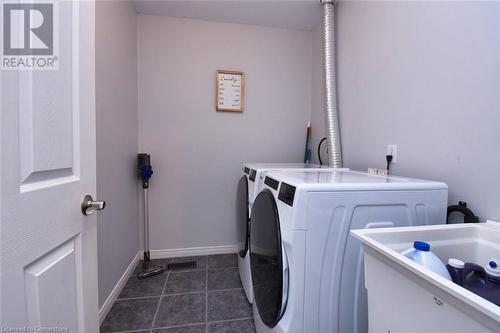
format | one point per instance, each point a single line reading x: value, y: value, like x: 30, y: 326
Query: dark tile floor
x: 205, y: 299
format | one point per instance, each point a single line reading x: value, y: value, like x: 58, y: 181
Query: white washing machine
x: 248, y: 188
x: 307, y: 271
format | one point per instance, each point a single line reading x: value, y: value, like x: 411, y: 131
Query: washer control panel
x: 287, y: 193
x: 272, y: 183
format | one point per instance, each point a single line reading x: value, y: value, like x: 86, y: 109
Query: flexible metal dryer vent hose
x: 330, y: 82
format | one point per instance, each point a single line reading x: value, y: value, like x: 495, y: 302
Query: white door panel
x: 50, y: 304
x: 48, y: 264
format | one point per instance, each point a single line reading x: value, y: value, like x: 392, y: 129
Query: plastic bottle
x: 421, y: 254
x: 456, y: 269
x: 483, y: 282
x: 493, y: 272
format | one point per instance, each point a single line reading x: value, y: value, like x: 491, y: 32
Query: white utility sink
x: 406, y: 297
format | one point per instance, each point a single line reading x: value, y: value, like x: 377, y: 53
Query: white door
x: 48, y: 263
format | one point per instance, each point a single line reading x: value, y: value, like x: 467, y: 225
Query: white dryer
x: 307, y: 271
x: 248, y: 187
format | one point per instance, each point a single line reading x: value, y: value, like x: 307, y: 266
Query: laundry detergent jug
x: 456, y: 269
x: 483, y: 282
x: 421, y: 254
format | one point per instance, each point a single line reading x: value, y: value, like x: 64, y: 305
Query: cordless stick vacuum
x: 145, y: 172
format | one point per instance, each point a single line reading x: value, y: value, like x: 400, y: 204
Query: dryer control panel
x: 287, y: 193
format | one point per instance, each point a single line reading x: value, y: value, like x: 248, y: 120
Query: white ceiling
x: 301, y: 15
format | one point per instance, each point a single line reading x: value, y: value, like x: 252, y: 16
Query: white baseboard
x: 193, y: 251
x: 103, y: 311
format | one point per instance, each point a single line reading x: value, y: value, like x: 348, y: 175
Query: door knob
x: 89, y: 205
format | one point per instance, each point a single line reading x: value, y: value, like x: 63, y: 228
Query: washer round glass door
x: 266, y: 259
x: 242, y: 216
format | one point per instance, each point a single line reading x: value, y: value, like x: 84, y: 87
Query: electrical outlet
x: 393, y: 150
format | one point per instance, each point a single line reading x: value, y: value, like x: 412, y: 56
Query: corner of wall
x: 317, y: 116
x: 117, y: 141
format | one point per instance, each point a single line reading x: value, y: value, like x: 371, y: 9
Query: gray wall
x: 425, y: 76
x: 117, y: 140
x: 197, y: 152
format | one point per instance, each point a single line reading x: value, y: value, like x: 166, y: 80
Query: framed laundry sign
x: 230, y: 91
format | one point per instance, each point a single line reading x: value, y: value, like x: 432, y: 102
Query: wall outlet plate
x: 377, y: 172
x: 392, y: 149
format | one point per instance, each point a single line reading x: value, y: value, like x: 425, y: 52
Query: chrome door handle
x: 89, y: 205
